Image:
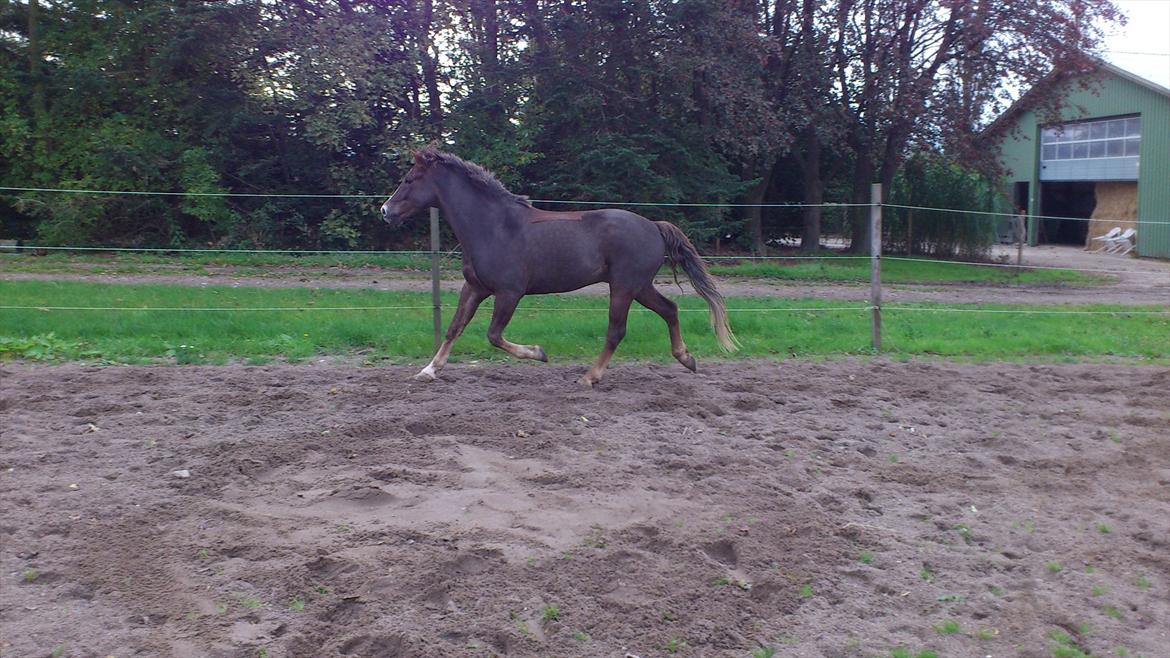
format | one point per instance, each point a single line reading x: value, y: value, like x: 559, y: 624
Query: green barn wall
x: 1113, y: 95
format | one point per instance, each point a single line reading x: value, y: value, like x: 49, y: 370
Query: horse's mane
x: 475, y: 173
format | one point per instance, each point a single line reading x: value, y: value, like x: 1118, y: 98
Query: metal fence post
x: 875, y: 264
x: 438, y: 309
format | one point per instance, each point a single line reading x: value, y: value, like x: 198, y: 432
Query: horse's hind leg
x: 505, y: 306
x: 619, y: 310
x: 660, y: 304
x: 469, y: 299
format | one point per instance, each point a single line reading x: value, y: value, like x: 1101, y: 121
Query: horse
x: 512, y: 249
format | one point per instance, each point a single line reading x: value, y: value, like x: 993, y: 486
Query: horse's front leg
x: 619, y: 310
x: 505, y: 306
x: 470, y: 297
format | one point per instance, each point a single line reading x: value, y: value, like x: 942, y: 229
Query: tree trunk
x: 814, y: 193
x: 430, y: 71
x: 755, y: 224
x: 863, y: 174
x: 36, y: 75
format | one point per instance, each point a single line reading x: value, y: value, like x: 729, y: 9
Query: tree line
x: 725, y: 101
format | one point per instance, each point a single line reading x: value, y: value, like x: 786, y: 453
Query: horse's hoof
x: 540, y: 355
x: 426, y: 375
x: 586, y: 382
x: 689, y: 362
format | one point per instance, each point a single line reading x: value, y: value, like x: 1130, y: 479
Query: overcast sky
x: 1148, y: 31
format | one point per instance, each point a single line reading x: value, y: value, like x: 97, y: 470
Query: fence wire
x: 657, y: 204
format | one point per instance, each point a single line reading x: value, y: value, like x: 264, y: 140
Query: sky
x: 1148, y: 31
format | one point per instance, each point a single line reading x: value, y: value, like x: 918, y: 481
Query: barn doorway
x: 1075, y: 200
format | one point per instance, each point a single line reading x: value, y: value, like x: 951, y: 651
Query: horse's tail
x: 681, y: 253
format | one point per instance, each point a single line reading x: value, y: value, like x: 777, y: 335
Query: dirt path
x: 1138, y: 281
x: 825, y: 509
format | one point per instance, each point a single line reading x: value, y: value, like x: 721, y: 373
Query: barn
x: 1104, y: 157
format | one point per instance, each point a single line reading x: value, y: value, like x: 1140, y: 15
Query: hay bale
x: 1116, y: 206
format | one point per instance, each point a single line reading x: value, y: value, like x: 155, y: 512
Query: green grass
x: 570, y: 327
x: 856, y: 270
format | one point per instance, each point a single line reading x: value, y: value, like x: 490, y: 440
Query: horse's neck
x: 475, y: 216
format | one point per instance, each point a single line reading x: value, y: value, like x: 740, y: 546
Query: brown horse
x: 511, y: 249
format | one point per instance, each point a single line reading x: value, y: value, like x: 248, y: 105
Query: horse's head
x: 417, y: 190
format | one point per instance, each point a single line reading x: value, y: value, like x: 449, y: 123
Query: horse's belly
x: 563, y: 279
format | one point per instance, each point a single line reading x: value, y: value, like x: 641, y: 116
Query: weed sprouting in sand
x: 57, y: 651
x: 30, y: 575
x: 1111, y: 611
x: 866, y: 558
x: 995, y: 590
x: 550, y: 613
x: 986, y: 633
x: 1104, y: 529
x: 965, y: 533
x: 251, y: 603
x: 596, y: 538
x: 1099, y: 590
x: 676, y: 644
x: 806, y: 591
x: 1066, y: 646
x: 1143, y: 583
x: 1053, y: 567
x: 926, y: 574
x: 903, y: 652
x: 580, y: 636
x: 947, y: 627
x: 296, y: 604
x: 763, y: 652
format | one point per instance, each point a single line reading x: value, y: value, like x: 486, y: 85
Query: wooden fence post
x: 875, y: 264
x: 438, y: 309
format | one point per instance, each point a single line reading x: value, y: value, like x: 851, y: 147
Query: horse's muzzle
x: 389, y: 216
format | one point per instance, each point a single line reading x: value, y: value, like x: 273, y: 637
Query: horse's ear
x: 425, y: 157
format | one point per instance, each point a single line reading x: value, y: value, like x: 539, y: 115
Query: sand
x: 832, y: 509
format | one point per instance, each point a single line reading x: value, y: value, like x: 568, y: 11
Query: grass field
x: 571, y: 328
x: 830, y: 268
x: 844, y: 269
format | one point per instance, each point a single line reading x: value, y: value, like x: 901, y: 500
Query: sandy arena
x: 833, y: 509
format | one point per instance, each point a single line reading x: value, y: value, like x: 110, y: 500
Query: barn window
x: 1088, y: 140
